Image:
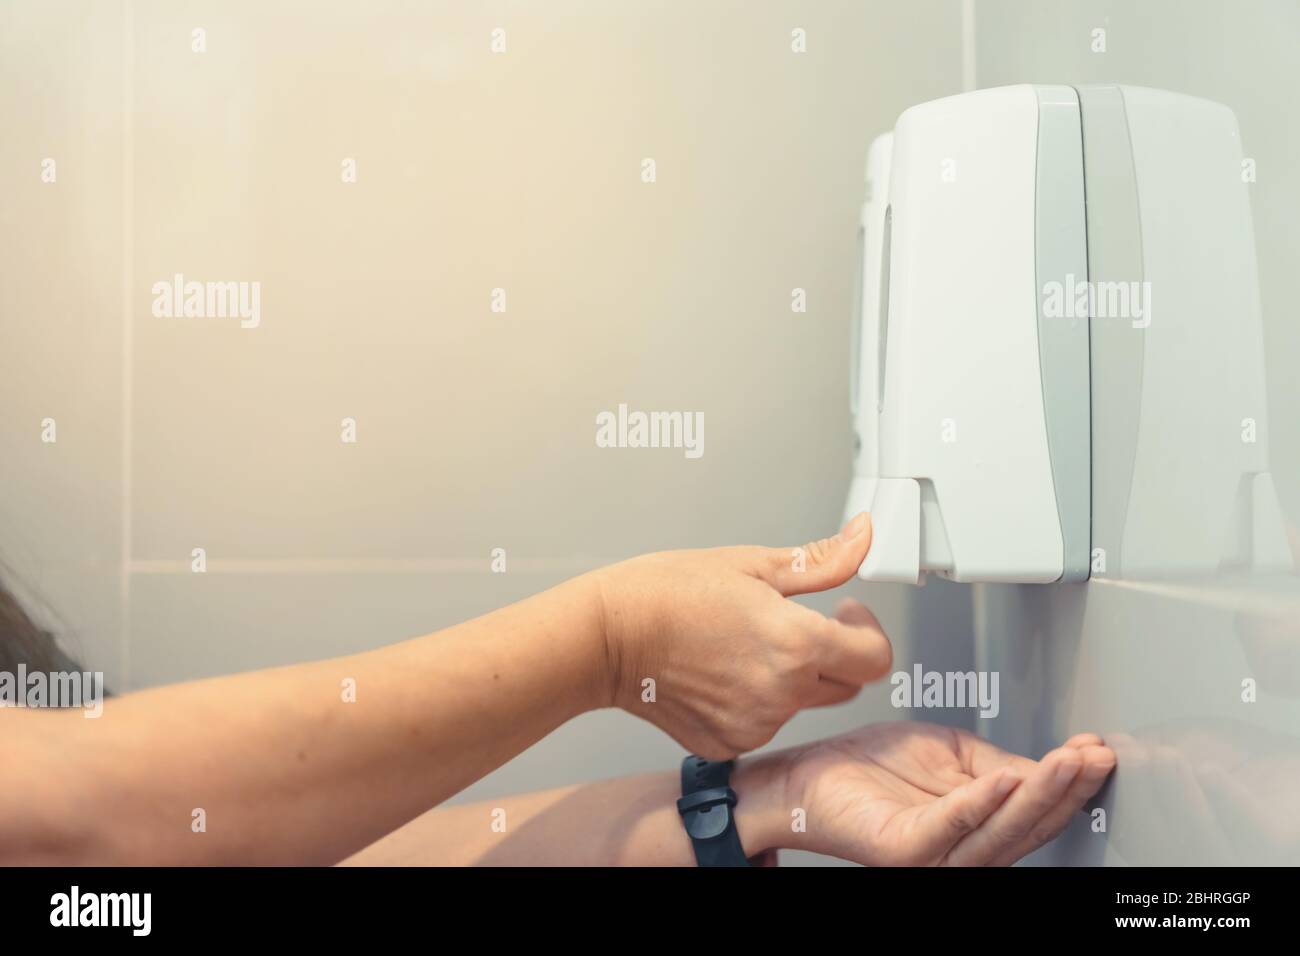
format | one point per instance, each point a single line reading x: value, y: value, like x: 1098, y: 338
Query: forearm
x: 628, y: 821
x: 289, y: 765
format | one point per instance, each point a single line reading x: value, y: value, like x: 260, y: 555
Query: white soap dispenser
x: 1020, y: 408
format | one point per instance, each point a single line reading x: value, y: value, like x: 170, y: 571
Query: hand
x: 731, y: 659
x: 913, y: 794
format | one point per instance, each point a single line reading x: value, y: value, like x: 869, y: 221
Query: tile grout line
x: 305, y: 566
x: 128, y: 331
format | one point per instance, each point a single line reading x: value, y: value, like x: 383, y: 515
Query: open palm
x: 914, y: 794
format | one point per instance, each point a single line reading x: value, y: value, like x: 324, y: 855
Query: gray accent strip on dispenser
x: 1061, y: 267
x: 1117, y: 349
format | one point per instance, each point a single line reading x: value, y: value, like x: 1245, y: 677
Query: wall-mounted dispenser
x: 1059, y: 351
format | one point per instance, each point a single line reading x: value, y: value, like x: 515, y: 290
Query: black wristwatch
x: 706, y: 810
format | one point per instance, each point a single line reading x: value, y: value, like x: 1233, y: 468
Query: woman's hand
x: 704, y: 644
x: 913, y: 794
x: 895, y: 793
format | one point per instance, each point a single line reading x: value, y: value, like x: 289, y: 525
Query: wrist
x: 764, y: 818
x: 599, y: 655
x: 616, y: 622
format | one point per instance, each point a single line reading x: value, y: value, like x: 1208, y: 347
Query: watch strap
x: 707, y: 810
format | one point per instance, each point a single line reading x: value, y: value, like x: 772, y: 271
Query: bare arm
x: 627, y: 821
x: 284, y: 768
x: 280, y: 767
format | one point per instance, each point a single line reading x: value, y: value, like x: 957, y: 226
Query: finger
x: 852, y: 654
x: 1098, y: 762
x: 828, y: 693
x: 1042, y: 790
x: 978, y: 756
x: 848, y: 653
x: 958, y: 813
x: 1084, y: 740
x: 855, y: 613
x: 820, y: 564
x: 875, y: 652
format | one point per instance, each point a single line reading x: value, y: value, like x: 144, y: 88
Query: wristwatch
x: 706, y: 809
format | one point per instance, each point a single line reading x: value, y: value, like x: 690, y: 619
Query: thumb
x: 959, y: 812
x: 819, y: 565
